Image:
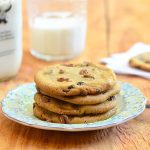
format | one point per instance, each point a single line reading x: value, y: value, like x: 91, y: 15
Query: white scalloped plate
x: 18, y: 106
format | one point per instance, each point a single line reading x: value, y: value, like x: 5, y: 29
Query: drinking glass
x: 57, y: 28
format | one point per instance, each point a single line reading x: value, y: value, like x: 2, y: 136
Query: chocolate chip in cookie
x: 111, y: 98
x: 33, y: 105
x: 83, y: 93
x: 66, y: 90
x: 83, y: 72
x: 61, y: 71
x: 98, y: 91
x: 64, y: 119
x: 63, y: 79
x: 68, y: 65
x: 71, y: 86
x: 88, y: 76
x: 80, y: 83
x: 45, y: 99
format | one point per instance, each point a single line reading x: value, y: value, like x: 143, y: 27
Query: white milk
x: 10, y: 37
x: 58, y: 36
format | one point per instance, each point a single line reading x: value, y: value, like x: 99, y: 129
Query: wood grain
x: 129, y: 23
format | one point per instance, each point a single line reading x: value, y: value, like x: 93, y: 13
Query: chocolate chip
x: 68, y: 65
x: 138, y: 67
x: 85, y: 63
x: 38, y: 90
x: 64, y: 119
x: 111, y: 98
x: 71, y: 86
x: 33, y: 105
x: 83, y: 93
x: 88, y: 76
x: 66, y: 90
x: 147, y: 61
x: 45, y: 99
x: 103, y: 63
x: 98, y: 91
x: 83, y: 72
x: 61, y: 71
x: 63, y: 79
x: 80, y: 83
x: 44, y: 119
x: 75, y: 106
x: 103, y: 92
x: 130, y: 61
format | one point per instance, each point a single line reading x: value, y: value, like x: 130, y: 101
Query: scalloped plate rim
x: 72, y: 129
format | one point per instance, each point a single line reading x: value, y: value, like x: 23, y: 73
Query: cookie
x: 141, y: 61
x: 46, y: 115
x: 75, y: 79
x: 88, y: 99
x: 65, y: 108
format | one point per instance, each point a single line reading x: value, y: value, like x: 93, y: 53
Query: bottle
x: 10, y: 38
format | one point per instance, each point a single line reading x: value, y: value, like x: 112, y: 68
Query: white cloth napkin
x: 119, y: 62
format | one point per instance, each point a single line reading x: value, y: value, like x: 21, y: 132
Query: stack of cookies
x: 75, y: 93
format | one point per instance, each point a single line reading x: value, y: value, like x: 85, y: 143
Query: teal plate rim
x: 132, y: 103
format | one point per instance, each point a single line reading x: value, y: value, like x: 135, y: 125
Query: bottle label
x: 7, y: 28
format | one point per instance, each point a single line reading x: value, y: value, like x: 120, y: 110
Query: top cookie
x: 75, y: 79
x: 141, y: 61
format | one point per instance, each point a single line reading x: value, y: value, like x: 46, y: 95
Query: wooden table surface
x: 129, y: 23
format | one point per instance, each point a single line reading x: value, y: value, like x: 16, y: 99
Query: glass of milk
x: 57, y: 28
